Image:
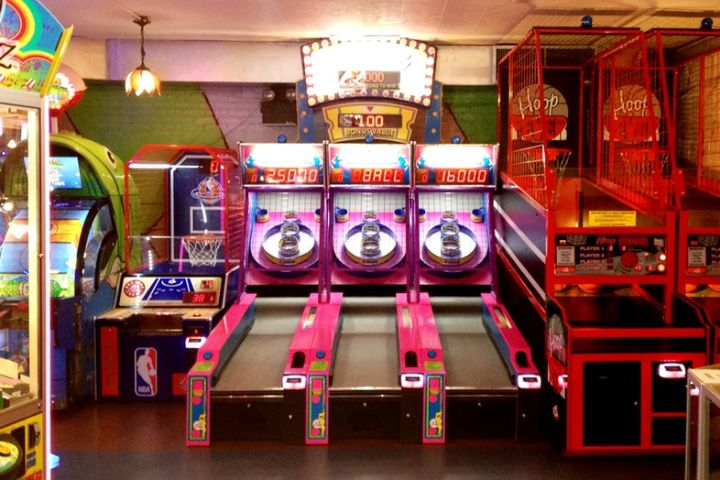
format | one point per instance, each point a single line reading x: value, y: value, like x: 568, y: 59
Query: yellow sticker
x: 612, y: 218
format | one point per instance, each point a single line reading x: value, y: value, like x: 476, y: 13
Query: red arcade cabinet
x: 586, y: 227
x: 684, y: 79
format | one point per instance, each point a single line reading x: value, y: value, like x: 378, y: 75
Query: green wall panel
x: 125, y: 123
x: 474, y: 109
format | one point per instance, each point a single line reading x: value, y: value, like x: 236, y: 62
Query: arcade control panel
x: 147, y: 344
x: 610, y: 254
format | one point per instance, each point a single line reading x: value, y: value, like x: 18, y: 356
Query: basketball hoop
x: 560, y: 158
x: 202, y: 249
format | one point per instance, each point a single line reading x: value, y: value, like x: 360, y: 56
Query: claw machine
x: 38, y: 42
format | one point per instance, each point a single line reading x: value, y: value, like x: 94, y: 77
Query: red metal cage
x: 586, y: 225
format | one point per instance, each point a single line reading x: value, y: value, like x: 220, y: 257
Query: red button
x: 629, y: 259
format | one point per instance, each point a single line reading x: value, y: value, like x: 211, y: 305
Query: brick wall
x: 474, y: 109
x: 237, y: 110
x: 125, y: 123
x: 224, y: 114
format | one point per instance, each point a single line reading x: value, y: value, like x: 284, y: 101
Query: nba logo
x: 145, y: 372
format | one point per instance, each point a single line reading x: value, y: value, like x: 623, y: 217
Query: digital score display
x: 369, y: 164
x: 369, y: 79
x: 377, y: 176
x: 453, y: 176
x: 369, y: 120
x: 283, y: 176
x: 282, y: 164
x: 196, y: 298
x: 463, y: 164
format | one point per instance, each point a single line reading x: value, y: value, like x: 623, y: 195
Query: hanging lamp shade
x: 142, y: 81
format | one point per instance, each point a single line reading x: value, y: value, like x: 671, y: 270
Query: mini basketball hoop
x: 202, y: 249
x: 559, y: 158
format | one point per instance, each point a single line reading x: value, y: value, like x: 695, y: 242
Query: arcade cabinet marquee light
x: 381, y: 67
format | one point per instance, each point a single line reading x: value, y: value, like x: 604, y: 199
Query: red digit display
x: 199, y: 297
x: 455, y: 176
x: 283, y: 175
x: 381, y: 176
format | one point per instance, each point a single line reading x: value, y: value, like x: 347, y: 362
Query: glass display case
x: 24, y: 306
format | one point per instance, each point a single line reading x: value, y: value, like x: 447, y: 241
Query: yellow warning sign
x: 612, y: 218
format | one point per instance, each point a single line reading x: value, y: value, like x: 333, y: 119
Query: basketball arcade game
x: 684, y: 79
x: 487, y: 394
x: 182, y: 270
x: 617, y: 339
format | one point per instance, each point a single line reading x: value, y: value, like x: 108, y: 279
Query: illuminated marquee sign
x: 282, y: 164
x: 360, y: 164
x: 355, y: 121
x: 375, y: 67
x: 455, y: 165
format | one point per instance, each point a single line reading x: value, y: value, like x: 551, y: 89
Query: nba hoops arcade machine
x: 596, y: 256
x: 38, y: 42
x: 182, y: 270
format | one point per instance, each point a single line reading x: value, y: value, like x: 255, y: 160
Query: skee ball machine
x: 265, y: 370
x: 369, y: 189
x: 182, y: 270
x: 285, y: 194
x: 487, y: 394
x: 618, y: 340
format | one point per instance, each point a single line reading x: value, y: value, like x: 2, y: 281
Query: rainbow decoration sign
x: 32, y: 42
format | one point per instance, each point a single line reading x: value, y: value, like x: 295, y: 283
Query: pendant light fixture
x: 141, y: 80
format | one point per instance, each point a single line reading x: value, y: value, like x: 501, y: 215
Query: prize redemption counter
x: 586, y: 229
x: 181, y: 273
x: 85, y: 251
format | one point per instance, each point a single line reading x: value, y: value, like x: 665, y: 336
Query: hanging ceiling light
x: 141, y: 80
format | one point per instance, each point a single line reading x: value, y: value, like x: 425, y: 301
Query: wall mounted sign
x: 66, y: 90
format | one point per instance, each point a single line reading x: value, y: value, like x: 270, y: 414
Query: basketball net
x: 202, y: 249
